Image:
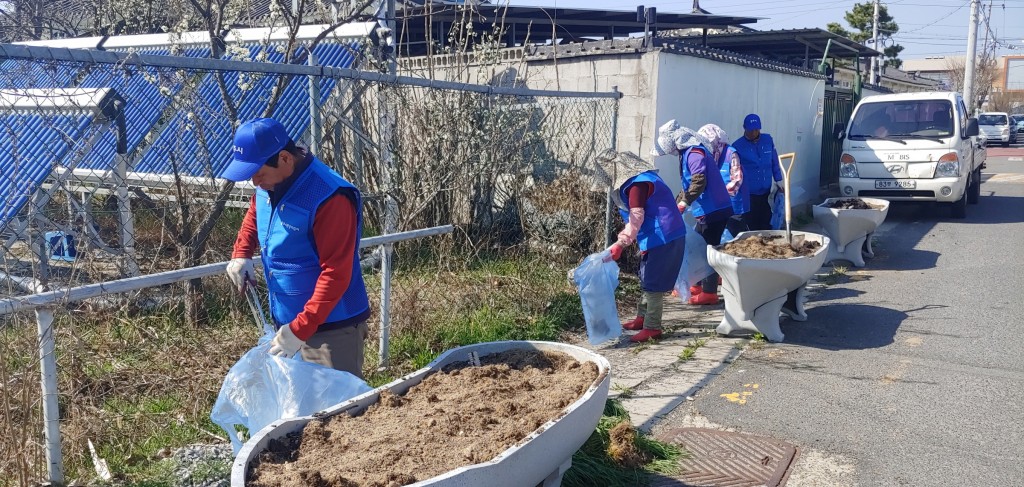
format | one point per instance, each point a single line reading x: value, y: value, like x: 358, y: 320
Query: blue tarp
x: 35, y: 144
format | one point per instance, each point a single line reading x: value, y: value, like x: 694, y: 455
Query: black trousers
x: 760, y: 215
x: 736, y: 224
x: 712, y: 232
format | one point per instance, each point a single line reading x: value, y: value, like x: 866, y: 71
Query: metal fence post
x: 314, y: 108
x: 608, y: 203
x: 51, y: 412
x: 124, y: 204
x: 385, y: 305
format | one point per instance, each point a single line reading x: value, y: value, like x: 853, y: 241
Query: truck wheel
x: 974, y: 188
x: 958, y: 208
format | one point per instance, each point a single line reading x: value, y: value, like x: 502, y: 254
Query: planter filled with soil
x: 762, y: 276
x: 849, y: 223
x: 513, y: 420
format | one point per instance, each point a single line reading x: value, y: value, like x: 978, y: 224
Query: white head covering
x: 715, y: 136
x: 612, y: 169
x: 673, y: 139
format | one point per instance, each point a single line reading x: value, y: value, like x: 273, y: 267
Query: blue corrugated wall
x: 33, y: 145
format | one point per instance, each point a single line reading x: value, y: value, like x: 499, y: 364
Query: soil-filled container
x: 757, y: 290
x: 849, y: 224
x: 538, y: 459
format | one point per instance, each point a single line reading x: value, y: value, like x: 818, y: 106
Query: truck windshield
x: 904, y: 118
x: 992, y: 119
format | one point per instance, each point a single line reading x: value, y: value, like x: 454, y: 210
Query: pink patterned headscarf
x: 716, y: 136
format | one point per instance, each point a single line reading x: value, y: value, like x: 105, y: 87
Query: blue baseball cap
x: 255, y: 142
x: 752, y: 122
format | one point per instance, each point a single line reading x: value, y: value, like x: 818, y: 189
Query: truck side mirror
x: 972, y: 127
x: 839, y: 130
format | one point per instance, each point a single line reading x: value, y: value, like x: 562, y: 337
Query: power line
x: 944, y: 17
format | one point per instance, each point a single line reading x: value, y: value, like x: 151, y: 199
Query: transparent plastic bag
x: 596, y: 281
x: 262, y: 388
x: 695, y: 260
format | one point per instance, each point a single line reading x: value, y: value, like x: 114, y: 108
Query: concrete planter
x: 757, y: 290
x: 539, y: 459
x: 850, y: 230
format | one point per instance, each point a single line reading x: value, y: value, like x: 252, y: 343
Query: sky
x: 927, y: 27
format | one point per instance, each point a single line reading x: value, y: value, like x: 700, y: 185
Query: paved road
x: 910, y: 372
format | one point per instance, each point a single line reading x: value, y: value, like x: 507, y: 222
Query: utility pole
x: 984, y: 45
x: 972, y: 50
x: 874, y: 44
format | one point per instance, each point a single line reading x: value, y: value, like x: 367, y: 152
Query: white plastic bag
x: 262, y: 388
x: 695, y: 260
x: 596, y: 281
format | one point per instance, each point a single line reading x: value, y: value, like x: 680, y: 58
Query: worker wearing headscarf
x: 648, y: 209
x: 732, y: 174
x: 703, y: 190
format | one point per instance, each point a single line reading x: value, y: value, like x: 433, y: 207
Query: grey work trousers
x: 340, y: 349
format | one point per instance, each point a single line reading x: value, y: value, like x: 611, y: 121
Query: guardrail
x: 43, y: 304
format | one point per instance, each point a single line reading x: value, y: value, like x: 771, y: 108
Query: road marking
x: 1006, y: 178
x: 914, y: 341
x: 740, y: 397
x: 1016, y: 159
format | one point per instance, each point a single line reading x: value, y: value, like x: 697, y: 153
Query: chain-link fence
x: 108, y: 171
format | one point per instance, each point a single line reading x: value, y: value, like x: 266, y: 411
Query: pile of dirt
x: 456, y: 417
x: 768, y: 247
x: 852, y: 204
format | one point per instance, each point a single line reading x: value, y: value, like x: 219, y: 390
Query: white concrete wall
x: 635, y: 75
x: 697, y: 91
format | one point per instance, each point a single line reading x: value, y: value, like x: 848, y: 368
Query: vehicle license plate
x: 895, y: 184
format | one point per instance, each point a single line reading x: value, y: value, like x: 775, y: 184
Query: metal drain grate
x: 721, y: 458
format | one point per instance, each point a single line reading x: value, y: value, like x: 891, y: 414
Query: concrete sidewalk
x: 653, y: 378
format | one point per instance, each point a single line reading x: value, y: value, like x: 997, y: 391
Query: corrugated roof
x: 36, y: 143
x: 32, y: 145
x: 785, y: 44
x: 536, y: 24
x: 177, y: 148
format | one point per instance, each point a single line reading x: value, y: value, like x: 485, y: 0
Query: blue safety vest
x: 760, y: 169
x: 662, y: 221
x: 740, y: 202
x: 715, y: 197
x: 291, y: 263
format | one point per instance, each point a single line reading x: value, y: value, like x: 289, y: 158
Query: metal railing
x: 42, y: 304
x: 503, y: 164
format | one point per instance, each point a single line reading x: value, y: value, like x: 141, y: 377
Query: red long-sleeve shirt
x: 334, y: 233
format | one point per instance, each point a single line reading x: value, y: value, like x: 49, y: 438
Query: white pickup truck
x: 912, y: 147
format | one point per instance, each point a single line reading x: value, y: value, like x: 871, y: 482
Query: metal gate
x: 838, y: 108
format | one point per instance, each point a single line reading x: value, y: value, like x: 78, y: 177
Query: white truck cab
x: 912, y: 147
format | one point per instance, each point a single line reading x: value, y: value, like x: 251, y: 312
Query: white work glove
x: 241, y: 272
x: 285, y: 343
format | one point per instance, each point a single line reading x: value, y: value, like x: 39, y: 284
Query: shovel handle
x: 785, y: 184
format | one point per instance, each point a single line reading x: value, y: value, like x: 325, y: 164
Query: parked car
x: 1018, y: 122
x: 912, y: 147
x: 995, y: 126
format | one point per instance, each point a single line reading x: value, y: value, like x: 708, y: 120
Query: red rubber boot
x: 645, y: 335
x: 704, y: 299
x: 636, y: 324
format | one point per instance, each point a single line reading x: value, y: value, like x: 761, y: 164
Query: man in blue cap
x: 307, y: 221
x: 761, y: 171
